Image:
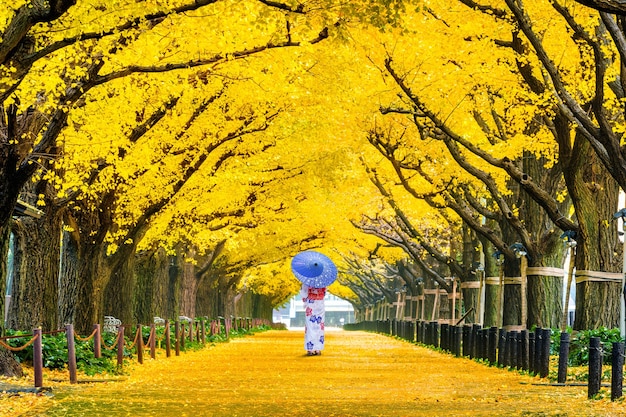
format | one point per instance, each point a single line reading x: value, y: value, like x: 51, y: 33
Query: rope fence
x: 124, y: 348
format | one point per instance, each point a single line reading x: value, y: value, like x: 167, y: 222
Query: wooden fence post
x: 168, y: 342
x: 182, y: 336
x: 38, y: 358
x: 139, y: 336
x: 153, y: 341
x: 71, y: 353
x: 120, y: 346
x: 177, y: 338
x: 203, y: 330
x: 97, y: 342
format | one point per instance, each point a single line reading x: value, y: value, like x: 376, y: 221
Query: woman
x: 313, y: 299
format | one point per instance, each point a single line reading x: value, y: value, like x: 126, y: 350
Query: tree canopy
x: 406, y: 139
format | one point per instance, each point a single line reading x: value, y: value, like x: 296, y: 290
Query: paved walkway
x: 359, y: 374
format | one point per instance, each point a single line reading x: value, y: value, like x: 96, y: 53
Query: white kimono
x: 313, y: 299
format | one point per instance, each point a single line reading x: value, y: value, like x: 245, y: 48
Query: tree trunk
x: 472, y: 298
x: 261, y: 307
x: 244, y: 304
x: 9, y: 366
x: 120, y: 289
x: 189, y: 290
x: 544, y: 291
x: 492, y: 297
x: 5, y: 234
x: 68, y: 281
x: 545, y: 301
x: 151, y: 269
x: 207, y: 297
x: 174, y: 287
x: 595, y: 195
x: 93, y: 273
x: 512, y: 313
x: 35, y: 287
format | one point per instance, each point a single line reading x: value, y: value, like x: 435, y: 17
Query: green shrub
x: 54, y: 353
x: 579, y: 344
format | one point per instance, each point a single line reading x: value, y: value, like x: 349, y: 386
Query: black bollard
x: 435, y: 333
x: 538, y: 350
x: 545, y: 354
x: 444, y: 336
x: 617, y: 371
x: 501, y: 347
x: 595, y: 367
x: 531, y: 352
x: 458, y: 338
x: 484, y: 344
x: 467, y: 334
x: 563, y: 358
x: 493, y: 345
x: 475, y: 340
x: 517, y: 361
x: 511, y: 349
x: 524, y: 352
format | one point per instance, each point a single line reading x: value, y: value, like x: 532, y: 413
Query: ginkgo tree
x: 80, y: 62
x: 497, y: 108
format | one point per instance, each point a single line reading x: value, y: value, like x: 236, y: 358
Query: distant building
x: 338, y: 312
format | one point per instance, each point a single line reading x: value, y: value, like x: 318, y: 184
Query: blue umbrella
x: 314, y: 269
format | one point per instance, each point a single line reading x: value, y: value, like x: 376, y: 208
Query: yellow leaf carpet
x: 359, y: 374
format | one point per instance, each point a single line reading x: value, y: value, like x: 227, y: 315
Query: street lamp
x: 479, y: 271
x: 622, y: 308
x: 500, y: 262
x: 521, y: 254
x: 568, y: 237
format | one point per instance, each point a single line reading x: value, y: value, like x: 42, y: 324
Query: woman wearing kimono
x: 313, y: 299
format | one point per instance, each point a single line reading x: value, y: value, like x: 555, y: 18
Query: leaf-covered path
x: 359, y: 374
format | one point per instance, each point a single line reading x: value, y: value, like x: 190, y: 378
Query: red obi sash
x: 316, y: 293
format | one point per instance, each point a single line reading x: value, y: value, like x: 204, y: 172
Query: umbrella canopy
x: 314, y: 269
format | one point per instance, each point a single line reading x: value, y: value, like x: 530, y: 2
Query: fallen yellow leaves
x: 359, y: 374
